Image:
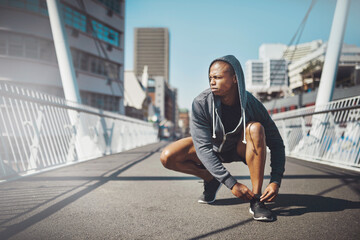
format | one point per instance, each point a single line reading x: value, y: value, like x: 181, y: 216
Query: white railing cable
x: 36, y: 132
x: 330, y: 133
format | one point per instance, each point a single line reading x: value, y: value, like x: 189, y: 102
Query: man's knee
x: 166, y: 158
x: 256, y: 132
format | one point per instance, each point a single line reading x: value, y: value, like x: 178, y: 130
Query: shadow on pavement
x: 206, y: 235
x: 17, y: 199
x: 299, y: 204
x: 228, y: 201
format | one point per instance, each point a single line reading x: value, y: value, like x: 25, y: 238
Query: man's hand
x: 270, y: 192
x: 242, y: 191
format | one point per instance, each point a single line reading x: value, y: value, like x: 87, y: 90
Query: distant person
x: 219, y: 135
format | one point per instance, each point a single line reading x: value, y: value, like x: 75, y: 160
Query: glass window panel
x: 31, y: 47
x: 93, y: 65
x: 46, y: 51
x: 3, y: 43
x: 103, y: 33
x: 32, y: 5
x: 16, y: 46
x: 17, y: 3
x: 84, y: 62
x: 74, y: 18
x: 75, y: 58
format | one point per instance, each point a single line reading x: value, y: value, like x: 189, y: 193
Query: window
x: 20, y: 45
x: 112, y: 4
x: 46, y: 50
x: 75, y: 58
x: 105, y: 33
x: 32, y: 5
x: 17, y: 3
x: 84, y: 61
x: 3, y: 41
x: 31, y: 47
x: 95, y: 64
x: 43, y: 7
x: 15, y: 46
x: 74, y: 18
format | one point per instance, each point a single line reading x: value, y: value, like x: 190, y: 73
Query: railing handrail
x: 65, y: 105
x: 331, y: 137
x: 318, y: 112
x: 39, y: 131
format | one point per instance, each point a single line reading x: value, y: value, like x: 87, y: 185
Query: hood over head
x: 232, y: 60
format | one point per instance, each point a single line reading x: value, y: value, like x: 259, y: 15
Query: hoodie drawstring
x: 214, y: 135
x: 244, y: 123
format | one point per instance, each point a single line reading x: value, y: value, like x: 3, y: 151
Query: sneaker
x: 210, y: 190
x: 259, y: 211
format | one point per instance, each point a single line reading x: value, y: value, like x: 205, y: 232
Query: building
x: 138, y: 104
x: 151, y: 52
x: 95, y: 31
x: 306, y: 72
x: 151, y: 48
x: 271, y: 51
x: 184, y: 122
x: 282, y: 70
x: 164, y: 98
x: 289, y: 53
x: 267, y: 77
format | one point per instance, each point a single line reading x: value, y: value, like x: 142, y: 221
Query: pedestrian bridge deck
x: 131, y: 196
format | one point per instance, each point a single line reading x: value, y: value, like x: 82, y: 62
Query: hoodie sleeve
x: 273, y: 139
x: 200, y: 130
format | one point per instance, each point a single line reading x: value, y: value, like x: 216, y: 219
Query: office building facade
x: 312, y: 63
x: 266, y: 76
x: 95, y: 31
x: 151, y: 48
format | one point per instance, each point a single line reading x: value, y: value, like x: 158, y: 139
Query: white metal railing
x: 40, y: 131
x: 330, y: 133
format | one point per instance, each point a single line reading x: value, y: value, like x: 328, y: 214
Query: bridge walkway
x: 131, y: 196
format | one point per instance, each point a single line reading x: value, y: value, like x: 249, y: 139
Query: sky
x: 202, y: 30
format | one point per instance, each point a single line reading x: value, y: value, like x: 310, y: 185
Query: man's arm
x: 201, y: 134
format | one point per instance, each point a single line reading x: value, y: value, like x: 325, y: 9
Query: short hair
x: 230, y: 67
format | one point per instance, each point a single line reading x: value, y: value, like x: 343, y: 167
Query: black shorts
x: 230, y: 156
x: 227, y: 157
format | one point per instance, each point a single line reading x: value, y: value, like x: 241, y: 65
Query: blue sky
x: 201, y: 30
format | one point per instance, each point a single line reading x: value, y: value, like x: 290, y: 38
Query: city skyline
x: 203, y: 30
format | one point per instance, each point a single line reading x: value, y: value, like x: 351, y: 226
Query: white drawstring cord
x: 214, y: 135
x: 244, y: 123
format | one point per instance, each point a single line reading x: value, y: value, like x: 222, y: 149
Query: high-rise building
x: 266, y: 76
x: 95, y: 32
x: 151, y: 48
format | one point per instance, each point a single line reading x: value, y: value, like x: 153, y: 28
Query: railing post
x: 35, y: 143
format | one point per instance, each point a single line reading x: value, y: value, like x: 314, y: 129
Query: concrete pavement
x: 131, y: 196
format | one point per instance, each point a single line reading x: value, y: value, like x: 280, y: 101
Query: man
x: 229, y: 124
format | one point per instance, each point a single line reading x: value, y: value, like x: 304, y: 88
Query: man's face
x: 222, y: 82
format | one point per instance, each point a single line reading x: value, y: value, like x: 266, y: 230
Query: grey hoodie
x: 209, y: 136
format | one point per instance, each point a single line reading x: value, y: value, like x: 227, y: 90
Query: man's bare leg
x: 254, y: 153
x: 181, y: 156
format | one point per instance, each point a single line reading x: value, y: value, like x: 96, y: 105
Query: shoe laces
x: 257, y: 202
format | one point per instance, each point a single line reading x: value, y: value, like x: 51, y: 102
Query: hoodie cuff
x: 276, y: 179
x: 230, y: 182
